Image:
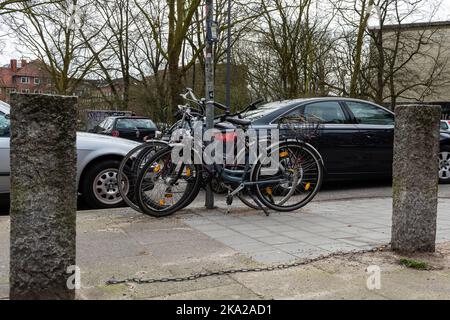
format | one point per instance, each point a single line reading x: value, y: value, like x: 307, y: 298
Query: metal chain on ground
x: 243, y: 270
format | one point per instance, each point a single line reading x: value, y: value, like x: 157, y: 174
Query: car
x: 445, y: 125
x: 98, y: 161
x: 131, y: 128
x: 356, y: 139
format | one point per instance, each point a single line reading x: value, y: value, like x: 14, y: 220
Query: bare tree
x: 50, y: 32
x: 180, y: 14
x: 392, y: 69
x: 288, y: 50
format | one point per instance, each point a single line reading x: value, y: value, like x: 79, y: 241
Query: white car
x: 99, y: 158
x: 445, y: 125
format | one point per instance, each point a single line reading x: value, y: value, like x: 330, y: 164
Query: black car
x: 131, y: 128
x: 356, y: 139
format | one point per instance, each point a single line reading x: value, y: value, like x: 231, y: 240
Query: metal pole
x: 209, y: 84
x: 229, y: 58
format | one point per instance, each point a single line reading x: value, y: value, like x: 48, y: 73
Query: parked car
x: 98, y: 161
x: 131, y: 128
x: 356, y: 138
x: 445, y: 125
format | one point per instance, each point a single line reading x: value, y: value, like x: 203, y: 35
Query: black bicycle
x: 168, y: 183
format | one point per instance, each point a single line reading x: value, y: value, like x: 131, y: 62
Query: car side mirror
x: 7, y: 116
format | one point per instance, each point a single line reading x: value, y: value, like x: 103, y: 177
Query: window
x: 444, y: 125
x: 37, y: 91
x: 263, y: 111
x: 105, y: 126
x: 369, y: 114
x: 25, y: 90
x: 4, y: 126
x: 37, y: 81
x: 329, y: 112
x: 133, y: 124
x: 24, y: 80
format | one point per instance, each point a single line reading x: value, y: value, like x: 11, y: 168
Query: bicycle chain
x: 243, y: 270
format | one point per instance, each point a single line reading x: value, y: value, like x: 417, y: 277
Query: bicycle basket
x: 300, y: 128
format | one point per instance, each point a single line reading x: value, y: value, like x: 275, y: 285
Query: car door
x: 336, y: 139
x: 376, y: 135
x: 4, y: 153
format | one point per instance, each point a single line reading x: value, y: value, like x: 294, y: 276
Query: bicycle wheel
x: 164, y: 187
x: 129, y: 170
x: 293, y: 182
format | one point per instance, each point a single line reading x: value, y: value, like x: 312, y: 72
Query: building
x: 418, y: 57
x: 24, y: 77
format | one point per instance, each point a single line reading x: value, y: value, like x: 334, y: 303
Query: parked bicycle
x: 166, y: 184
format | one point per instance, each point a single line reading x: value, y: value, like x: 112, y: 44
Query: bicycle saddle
x: 238, y: 122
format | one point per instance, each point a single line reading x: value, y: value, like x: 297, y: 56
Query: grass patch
x: 413, y: 264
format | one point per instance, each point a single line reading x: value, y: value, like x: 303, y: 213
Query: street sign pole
x: 211, y: 35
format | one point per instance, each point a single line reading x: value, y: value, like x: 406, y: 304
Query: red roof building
x: 24, y: 77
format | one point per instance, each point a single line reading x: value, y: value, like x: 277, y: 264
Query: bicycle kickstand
x: 229, y: 202
x: 266, y: 211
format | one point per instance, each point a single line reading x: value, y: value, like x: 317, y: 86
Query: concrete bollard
x: 416, y: 179
x: 43, y: 196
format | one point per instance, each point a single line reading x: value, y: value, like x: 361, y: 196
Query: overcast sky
x: 10, y: 51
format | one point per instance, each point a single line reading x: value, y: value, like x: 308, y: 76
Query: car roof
x: 282, y: 106
x: 128, y: 117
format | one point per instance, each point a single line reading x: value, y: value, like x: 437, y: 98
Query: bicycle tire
x: 188, y: 197
x: 306, y: 200
x: 129, y: 169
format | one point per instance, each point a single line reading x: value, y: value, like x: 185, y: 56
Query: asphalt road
x: 330, y: 191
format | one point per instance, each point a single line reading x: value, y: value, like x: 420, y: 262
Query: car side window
x: 4, y: 126
x: 329, y: 112
x: 369, y: 114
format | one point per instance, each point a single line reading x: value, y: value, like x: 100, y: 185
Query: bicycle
x: 165, y: 186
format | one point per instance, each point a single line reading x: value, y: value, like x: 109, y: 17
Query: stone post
x: 43, y: 196
x: 416, y: 178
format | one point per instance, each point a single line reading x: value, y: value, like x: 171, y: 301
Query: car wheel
x: 444, y: 165
x: 99, y: 185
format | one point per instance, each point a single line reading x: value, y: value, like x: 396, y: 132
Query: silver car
x: 98, y: 160
x: 445, y: 126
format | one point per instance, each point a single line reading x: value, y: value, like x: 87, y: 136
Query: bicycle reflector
x: 284, y: 154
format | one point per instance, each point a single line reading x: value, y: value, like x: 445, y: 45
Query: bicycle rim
x: 299, y: 173
x: 164, y: 187
x: 129, y: 170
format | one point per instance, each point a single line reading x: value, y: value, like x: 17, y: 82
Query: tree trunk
x: 175, y: 88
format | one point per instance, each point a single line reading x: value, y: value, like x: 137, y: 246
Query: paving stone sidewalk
x: 122, y: 243
x: 319, y: 229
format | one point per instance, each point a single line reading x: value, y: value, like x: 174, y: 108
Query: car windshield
x: 135, y: 123
x: 262, y: 111
x: 444, y: 126
x: 4, y: 126
x: 105, y: 125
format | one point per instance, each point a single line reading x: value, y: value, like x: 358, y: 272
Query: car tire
x: 444, y: 155
x: 106, y: 195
